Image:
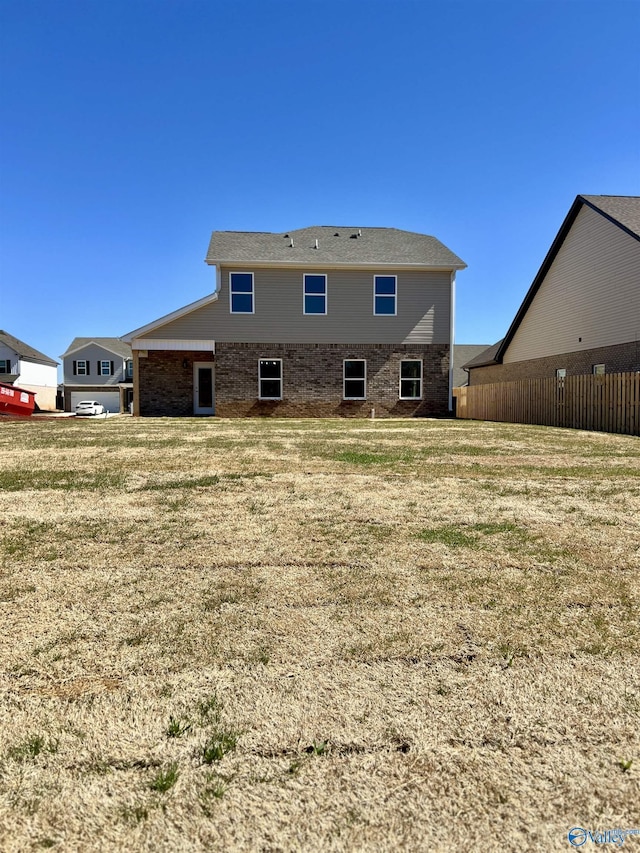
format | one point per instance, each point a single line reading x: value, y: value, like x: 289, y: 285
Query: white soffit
x: 175, y: 345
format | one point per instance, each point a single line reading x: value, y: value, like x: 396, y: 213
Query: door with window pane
x: 203, y: 388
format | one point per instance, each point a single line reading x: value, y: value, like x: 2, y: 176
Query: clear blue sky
x: 133, y: 128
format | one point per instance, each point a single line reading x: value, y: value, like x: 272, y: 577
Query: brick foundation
x: 312, y: 381
x: 619, y: 358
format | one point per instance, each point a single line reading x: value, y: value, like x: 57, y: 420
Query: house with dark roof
x: 25, y: 367
x: 319, y: 321
x: 582, y: 312
x: 462, y: 353
x: 98, y: 369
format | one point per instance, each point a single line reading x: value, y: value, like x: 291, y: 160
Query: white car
x: 90, y: 407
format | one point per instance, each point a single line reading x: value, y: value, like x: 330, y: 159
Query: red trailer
x: 16, y: 401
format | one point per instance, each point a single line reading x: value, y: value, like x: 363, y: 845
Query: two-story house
x: 321, y: 321
x: 582, y: 312
x: 25, y: 367
x: 98, y: 369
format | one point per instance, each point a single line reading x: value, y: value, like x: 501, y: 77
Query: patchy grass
x: 333, y: 635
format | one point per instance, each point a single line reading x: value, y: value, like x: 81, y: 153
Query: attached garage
x: 109, y: 399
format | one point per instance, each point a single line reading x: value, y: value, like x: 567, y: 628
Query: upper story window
x: 385, y: 292
x: 129, y: 368
x: 5, y: 365
x: 270, y: 379
x: 241, y: 292
x: 81, y: 367
x: 315, y: 294
x: 354, y: 379
x: 105, y: 368
x: 411, y: 379
x: 598, y: 369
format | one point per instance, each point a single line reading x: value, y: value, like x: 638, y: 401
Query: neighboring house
x: 582, y: 312
x: 98, y: 369
x: 462, y: 353
x: 23, y: 366
x: 319, y: 321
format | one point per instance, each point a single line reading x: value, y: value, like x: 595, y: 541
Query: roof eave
x: 168, y: 318
x: 262, y: 264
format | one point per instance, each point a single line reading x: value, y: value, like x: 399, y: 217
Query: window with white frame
x: 81, y: 367
x: 411, y: 379
x: 270, y: 379
x: 561, y: 373
x: 354, y: 379
x: 315, y: 294
x: 105, y: 368
x: 241, y: 292
x: 129, y: 368
x: 598, y: 369
x: 385, y: 292
x: 5, y: 365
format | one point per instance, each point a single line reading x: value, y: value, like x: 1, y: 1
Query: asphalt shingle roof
x: 625, y: 209
x: 113, y: 344
x: 463, y: 354
x: 335, y: 245
x: 25, y: 352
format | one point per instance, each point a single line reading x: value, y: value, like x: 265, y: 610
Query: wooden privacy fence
x: 609, y: 403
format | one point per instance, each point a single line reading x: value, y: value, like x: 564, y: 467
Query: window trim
x: 270, y: 378
x: 596, y: 372
x: 109, y: 364
x: 305, y: 294
x: 410, y: 379
x: 242, y: 293
x: 85, y: 367
x: 345, y: 380
x: 386, y: 295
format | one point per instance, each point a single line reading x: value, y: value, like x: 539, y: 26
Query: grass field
x: 317, y: 635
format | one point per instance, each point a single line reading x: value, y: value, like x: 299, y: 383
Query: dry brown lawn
x: 317, y: 635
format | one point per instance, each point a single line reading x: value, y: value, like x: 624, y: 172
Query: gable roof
x: 622, y: 211
x: 114, y: 345
x: 24, y: 351
x: 339, y: 245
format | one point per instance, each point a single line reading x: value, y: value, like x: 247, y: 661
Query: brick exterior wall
x: 616, y: 359
x: 312, y: 380
x: 165, y: 382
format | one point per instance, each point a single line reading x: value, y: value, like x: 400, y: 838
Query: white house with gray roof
x: 98, y: 369
x: 320, y: 321
x: 25, y: 367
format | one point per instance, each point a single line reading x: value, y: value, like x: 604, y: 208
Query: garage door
x: 109, y: 399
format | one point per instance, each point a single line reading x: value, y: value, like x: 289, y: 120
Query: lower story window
x: 355, y: 379
x: 561, y: 372
x: 598, y: 369
x: 411, y: 379
x: 270, y: 379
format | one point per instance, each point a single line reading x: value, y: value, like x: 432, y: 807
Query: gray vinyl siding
x: 93, y: 354
x: 423, y: 310
x: 591, y: 292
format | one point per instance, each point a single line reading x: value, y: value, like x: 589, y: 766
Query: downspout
x: 452, y: 321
